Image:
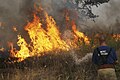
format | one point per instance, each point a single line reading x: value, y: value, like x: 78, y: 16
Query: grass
x: 48, y: 67
x: 56, y: 66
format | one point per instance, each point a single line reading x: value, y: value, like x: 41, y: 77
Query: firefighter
x: 105, y: 58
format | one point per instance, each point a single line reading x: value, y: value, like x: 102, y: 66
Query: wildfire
x: 0, y: 24
x: 116, y: 36
x: 43, y: 40
x: 2, y: 49
x: 79, y: 34
x: 14, y: 29
x: 24, y: 51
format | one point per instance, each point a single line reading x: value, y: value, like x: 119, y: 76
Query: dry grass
x: 55, y: 66
x: 48, y: 67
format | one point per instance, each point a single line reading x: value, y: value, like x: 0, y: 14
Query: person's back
x: 105, y: 57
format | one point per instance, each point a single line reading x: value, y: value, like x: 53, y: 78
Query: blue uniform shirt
x: 110, y: 59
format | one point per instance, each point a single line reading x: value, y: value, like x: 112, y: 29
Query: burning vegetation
x: 55, y: 52
x: 45, y: 35
x: 44, y: 40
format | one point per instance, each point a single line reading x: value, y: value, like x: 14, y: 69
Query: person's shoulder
x: 112, y: 48
x: 109, y: 48
x: 104, y: 47
x: 96, y: 48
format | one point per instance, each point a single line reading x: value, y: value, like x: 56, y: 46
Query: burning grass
x: 52, y: 66
x: 48, y: 56
x: 48, y: 67
x: 46, y: 39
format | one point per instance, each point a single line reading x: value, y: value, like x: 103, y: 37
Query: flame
x: 0, y: 24
x: 43, y: 40
x: 2, y: 49
x: 67, y: 18
x: 116, y: 37
x: 79, y: 34
x: 54, y: 34
x: 14, y: 29
x: 24, y: 51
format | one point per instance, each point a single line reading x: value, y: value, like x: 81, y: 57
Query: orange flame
x: 0, y: 24
x: 24, y: 51
x: 2, y: 49
x: 79, y: 34
x: 116, y: 37
x: 43, y: 40
x: 14, y: 29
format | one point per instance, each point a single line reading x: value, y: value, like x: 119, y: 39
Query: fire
x: 0, y: 24
x: 116, y: 36
x: 2, y: 49
x: 67, y: 18
x: 79, y: 34
x: 54, y: 34
x: 43, y: 40
x: 14, y: 29
x: 24, y: 51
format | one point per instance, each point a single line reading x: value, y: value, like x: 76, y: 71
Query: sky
x: 108, y: 12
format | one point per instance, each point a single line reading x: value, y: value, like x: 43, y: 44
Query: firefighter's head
x: 102, y: 39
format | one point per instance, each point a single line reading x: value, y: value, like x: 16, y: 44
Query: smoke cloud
x: 13, y: 13
x: 108, y: 15
x: 18, y: 12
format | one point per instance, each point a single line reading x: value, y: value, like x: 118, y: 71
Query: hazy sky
x: 108, y: 12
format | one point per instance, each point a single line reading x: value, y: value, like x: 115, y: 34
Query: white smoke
x: 84, y: 59
x: 13, y: 13
x: 108, y: 13
x: 18, y: 12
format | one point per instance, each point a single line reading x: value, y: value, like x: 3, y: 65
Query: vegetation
x: 57, y: 66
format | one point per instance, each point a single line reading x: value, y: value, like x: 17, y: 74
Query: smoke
x: 18, y: 12
x: 9, y: 11
x: 84, y: 59
x: 13, y: 13
x: 59, y: 10
x: 108, y: 15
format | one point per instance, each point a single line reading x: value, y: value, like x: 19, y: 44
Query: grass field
x: 56, y: 66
